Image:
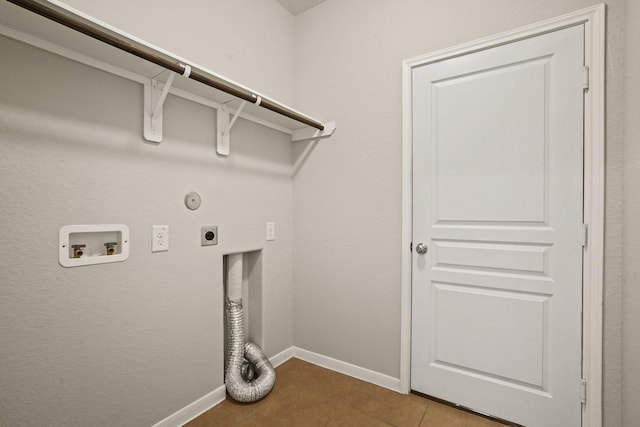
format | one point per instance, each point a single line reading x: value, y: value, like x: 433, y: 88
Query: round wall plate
x: 192, y: 200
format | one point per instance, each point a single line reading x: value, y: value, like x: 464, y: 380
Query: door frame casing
x: 593, y: 19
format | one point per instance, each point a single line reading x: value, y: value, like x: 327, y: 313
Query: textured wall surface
x: 347, y: 194
x: 248, y: 41
x: 126, y: 343
x: 131, y: 343
x: 631, y: 235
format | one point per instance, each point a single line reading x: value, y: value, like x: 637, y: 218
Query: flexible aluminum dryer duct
x: 249, y: 375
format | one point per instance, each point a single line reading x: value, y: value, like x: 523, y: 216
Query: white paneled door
x: 498, y: 212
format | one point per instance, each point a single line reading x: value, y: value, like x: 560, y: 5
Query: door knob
x: 421, y: 248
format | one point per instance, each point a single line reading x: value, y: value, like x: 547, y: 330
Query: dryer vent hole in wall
x: 249, y: 375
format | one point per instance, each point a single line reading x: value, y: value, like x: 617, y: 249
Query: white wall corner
x: 282, y: 357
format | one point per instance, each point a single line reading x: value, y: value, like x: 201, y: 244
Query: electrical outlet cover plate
x: 271, y: 231
x: 160, y: 238
x: 209, y: 236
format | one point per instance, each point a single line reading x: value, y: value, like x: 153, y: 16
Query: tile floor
x: 308, y: 395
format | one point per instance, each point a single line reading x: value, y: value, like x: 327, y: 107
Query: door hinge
x: 583, y: 390
x: 585, y: 78
x: 411, y: 247
x: 585, y: 235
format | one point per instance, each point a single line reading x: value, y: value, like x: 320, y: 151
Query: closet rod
x: 105, y: 35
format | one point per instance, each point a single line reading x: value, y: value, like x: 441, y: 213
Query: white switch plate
x: 271, y: 231
x: 160, y: 238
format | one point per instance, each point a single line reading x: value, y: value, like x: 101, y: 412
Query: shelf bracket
x: 305, y: 134
x: 224, y: 124
x: 223, y: 127
x: 155, y: 93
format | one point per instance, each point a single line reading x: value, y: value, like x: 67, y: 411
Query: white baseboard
x: 218, y: 395
x: 358, y: 372
x: 212, y: 399
x: 194, y: 409
x: 282, y: 357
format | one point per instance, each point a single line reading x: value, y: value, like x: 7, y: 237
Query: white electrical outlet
x: 160, y: 238
x: 271, y: 231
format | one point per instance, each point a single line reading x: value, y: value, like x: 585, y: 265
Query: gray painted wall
x: 131, y: 343
x: 127, y: 343
x: 347, y: 196
x: 248, y: 41
x: 631, y: 236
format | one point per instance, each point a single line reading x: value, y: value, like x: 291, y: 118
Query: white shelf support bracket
x: 155, y: 93
x: 224, y: 125
x: 306, y: 134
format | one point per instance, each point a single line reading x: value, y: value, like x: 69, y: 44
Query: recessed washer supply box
x: 93, y: 244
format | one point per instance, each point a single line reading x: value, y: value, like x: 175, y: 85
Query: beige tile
x: 314, y: 415
x: 308, y: 395
x: 439, y: 415
x: 392, y: 407
x: 255, y: 421
x: 290, y: 400
x: 335, y: 387
x: 297, y: 371
x: 346, y: 416
x: 218, y: 416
